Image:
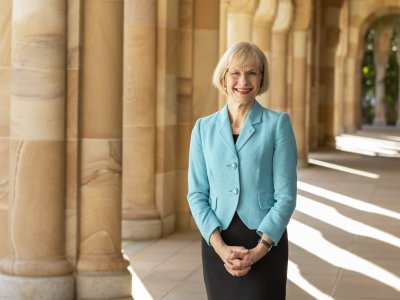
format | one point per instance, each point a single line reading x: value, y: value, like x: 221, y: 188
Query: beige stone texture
x: 137, y: 229
x: 72, y: 105
x: 166, y: 192
x: 284, y: 16
x: 5, y: 33
x: 100, y: 206
x: 185, y: 52
x: 166, y: 159
x: 240, y: 27
x: 139, y: 75
x: 38, y: 288
x: 140, y: 13
x: 71, y: 200
x: 166, y: 50
x: 262, y: 26
x: 303, y: 14
x: 139, y: 168
x: 166, y: 100
x: 4, y: 199
x: 168, y: 13
x: 112, y: 285
x: 36, y: 186
x: 139, y: 116
x: 102, y: 69
x: 168, y: 224
x: 36, y: 119
x: 207, y: 14
x: 205, y: 95
x: 73, y: 33
x: 5, y: 101
x: 278, y: 98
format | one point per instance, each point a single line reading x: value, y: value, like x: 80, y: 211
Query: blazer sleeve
x: 284, y: 181
x: 198, y: 187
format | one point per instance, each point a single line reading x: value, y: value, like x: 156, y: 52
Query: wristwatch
x: 265, y: 243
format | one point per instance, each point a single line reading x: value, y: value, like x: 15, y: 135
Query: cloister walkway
x: 344, y: 237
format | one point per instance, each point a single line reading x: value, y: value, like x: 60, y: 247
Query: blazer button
x: 236, y: 191
x: 234, y: 165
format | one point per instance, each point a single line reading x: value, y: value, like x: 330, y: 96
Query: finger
x: 239, y: 249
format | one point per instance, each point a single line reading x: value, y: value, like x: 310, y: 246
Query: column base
x: 148, y: 229
x: 37, y: 288
x: 141, y: 229
x: 104, y: 285
x: 379, y: 122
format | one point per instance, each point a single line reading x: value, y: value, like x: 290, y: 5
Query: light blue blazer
x: 256, y: 177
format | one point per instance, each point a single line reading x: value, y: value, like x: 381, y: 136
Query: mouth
x: 243, y: 91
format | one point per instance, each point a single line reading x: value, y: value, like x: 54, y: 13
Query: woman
x: 242, y: 183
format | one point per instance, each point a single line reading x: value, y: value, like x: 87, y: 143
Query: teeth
x: 243, y: 90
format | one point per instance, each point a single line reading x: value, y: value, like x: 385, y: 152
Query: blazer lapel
x: 248, y: 129
x: 225, y: 131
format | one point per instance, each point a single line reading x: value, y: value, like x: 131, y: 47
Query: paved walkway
x: 344, y: 238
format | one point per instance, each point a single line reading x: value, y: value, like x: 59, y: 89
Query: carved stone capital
x: 266, y: 11
x: 284, y: 16
x: 302, y: 14
x: 243, y: 6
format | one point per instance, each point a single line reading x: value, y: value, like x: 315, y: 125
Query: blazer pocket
x: 213, y: 203
x: 266, y: 200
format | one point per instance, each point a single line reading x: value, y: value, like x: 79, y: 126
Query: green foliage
x: 368, y: 76
x: 392, y: 84
x: 368, y: 79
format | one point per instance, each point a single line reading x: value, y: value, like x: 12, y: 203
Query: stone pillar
x: 5, y: 71
x: 102, y: 270
x: 166, y: 121
x: 262, y: 31
x: 381, y: 55
x: 141, y: 220
x: 240, y: 21
x: 299, y: 82
x: 72, y: 129
x: 185, y: 95
x: 340, y: 71
x: 278, y: 66
x: 205, y: 56
x: 398, y: 63
x: 36, y: 263
x: 223, y: 37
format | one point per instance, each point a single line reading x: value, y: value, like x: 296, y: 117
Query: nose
x: 243, y: 77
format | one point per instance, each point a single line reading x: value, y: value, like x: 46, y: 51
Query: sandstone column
x: 185, y: 95
x: 279, y: 46
x: 381, y: 55
x: 240, y: 21
x: 340, y: 71
x: 300, y: 106
x: 223, y: 38
x: 166, y: 132
x: 72, y: 129
x: 262, y: 31
x: 5, y: 71
x: 35, y: 264
x: 101, y: 267
x: 140, y: 215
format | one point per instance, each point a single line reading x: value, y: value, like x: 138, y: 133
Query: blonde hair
x: 241, y: 54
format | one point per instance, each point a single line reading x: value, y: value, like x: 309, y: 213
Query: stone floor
x: 344, y: 238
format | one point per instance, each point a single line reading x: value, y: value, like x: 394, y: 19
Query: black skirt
x: 266, y: 279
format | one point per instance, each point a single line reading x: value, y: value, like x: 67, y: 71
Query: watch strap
x: 265, y: 243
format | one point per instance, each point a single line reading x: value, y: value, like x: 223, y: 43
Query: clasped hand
x: 238, y: 260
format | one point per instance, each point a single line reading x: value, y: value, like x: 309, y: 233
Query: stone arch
x: 374, y: 14
x: 355, y: 23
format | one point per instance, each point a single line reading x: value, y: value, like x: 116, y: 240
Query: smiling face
x: 243, y: 83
